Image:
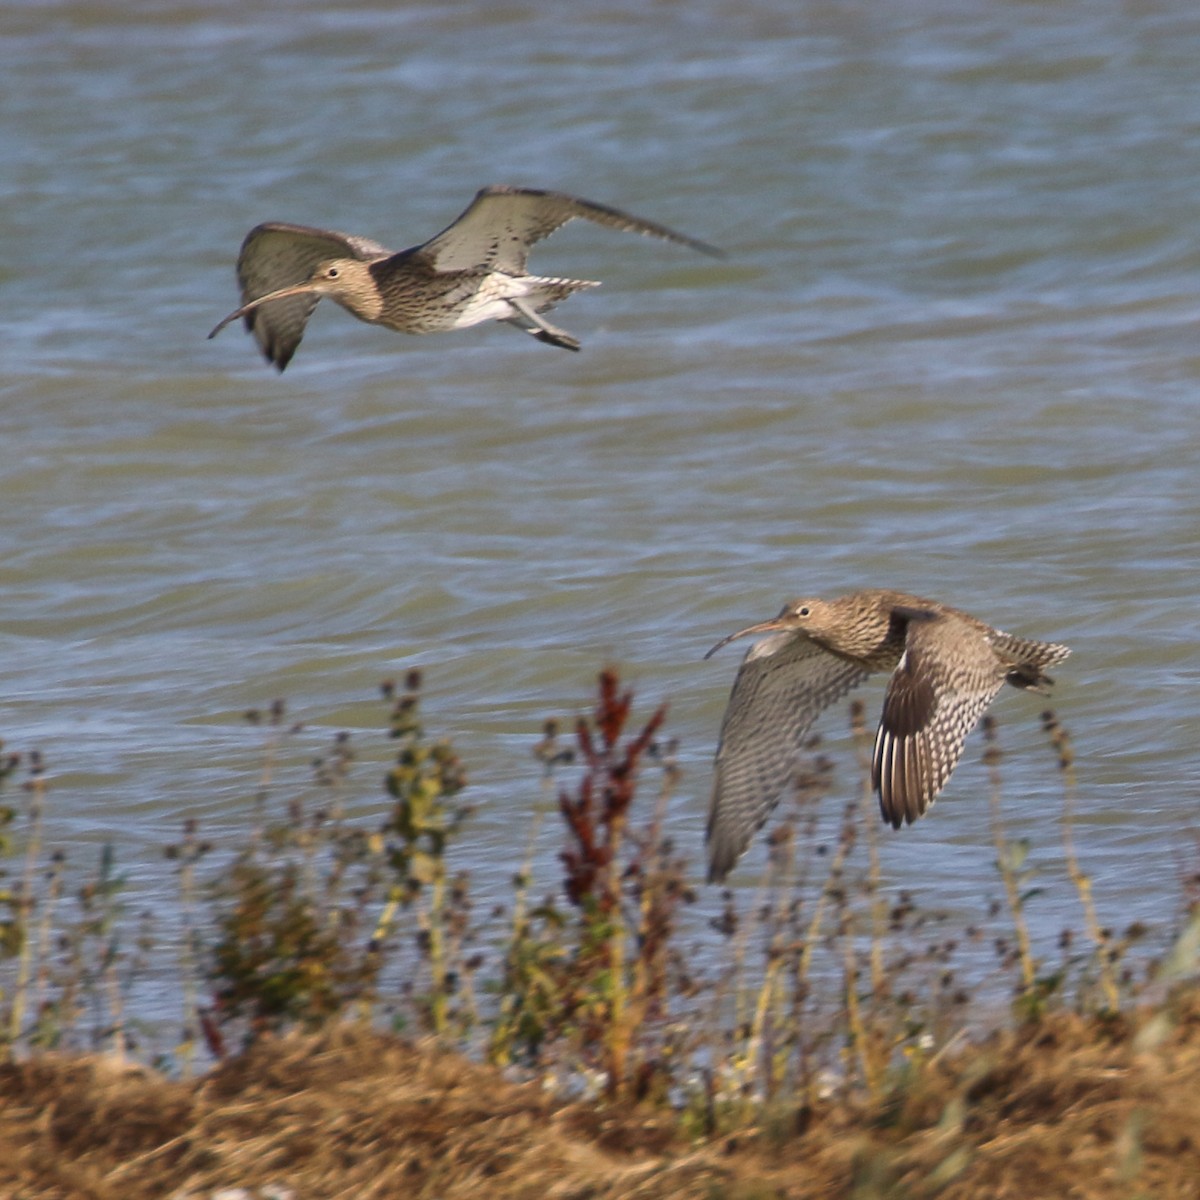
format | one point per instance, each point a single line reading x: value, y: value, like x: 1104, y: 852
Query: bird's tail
x: 544, y: 294
x: 536, y: 297
x: 1029, y: 660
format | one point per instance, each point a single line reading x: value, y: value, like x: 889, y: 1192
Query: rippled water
x: 953, y: 350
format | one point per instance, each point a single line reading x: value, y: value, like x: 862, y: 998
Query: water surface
x: 953, y: 350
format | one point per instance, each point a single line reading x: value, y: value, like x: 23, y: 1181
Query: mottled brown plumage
x: 473, y: 271
x: 946, y: 668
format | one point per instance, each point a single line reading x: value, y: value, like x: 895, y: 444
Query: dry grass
x: 1073, y: 1108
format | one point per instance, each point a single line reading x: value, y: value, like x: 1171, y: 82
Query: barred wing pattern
x: 277, y: 255
x: 945, y: 680
x: 784, y: 683
x: 500, y: 225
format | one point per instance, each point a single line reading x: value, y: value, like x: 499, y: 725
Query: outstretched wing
x: 784, y: 683
x: 948, y: 675
x: 277, y: 255
x: 502, y: 223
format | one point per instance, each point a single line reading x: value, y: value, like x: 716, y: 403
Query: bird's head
x: 345, y: 280
x: 808, y: 616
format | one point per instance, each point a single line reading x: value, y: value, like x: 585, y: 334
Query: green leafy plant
x: 284, y: 951
x: 424, y: 819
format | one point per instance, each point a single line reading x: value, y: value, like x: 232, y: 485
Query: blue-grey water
x: 953, y: 350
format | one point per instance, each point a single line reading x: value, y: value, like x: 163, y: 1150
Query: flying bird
x: 946, y: 668
x: 473, y: 271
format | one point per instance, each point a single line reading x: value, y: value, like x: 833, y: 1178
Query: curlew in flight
x: 473, y: 271
x: 946, y: 668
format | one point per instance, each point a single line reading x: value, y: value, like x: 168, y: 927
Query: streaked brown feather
x: 474, y: 270
x: 946, y: 668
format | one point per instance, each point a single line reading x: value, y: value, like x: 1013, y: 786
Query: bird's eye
x: 803, y: 611
x: 332, y: 273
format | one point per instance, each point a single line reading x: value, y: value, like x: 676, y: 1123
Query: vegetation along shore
x: 353, y: 1026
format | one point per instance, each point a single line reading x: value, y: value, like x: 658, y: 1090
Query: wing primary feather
x: 783, y: 684
x: 501, y: 224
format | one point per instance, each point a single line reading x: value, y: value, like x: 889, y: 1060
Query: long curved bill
x: 774, y: 625
x: 299, y: 289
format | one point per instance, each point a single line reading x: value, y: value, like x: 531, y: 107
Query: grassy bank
x: 1078, y: 1107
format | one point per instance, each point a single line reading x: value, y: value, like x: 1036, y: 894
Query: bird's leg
x: 1029, y: 679
x: 537, y: 326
